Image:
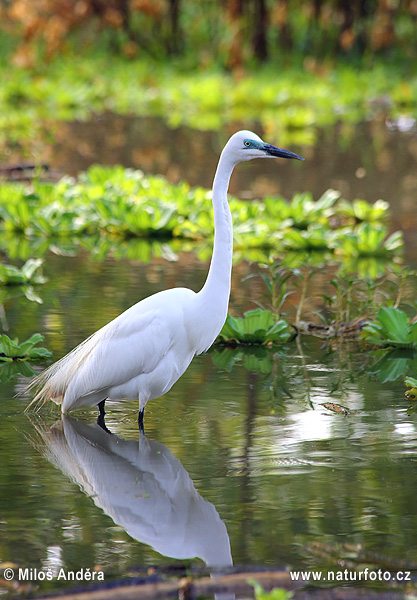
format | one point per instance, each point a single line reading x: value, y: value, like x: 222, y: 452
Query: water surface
x: 252, y: 456
x: 249, y: 451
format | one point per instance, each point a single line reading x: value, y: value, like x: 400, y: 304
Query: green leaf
x: 392, y: 328
x: 394, y: 323
x: 30, y: 267
x: 11, y: 349
x: 28, y: 344
x: 13, y: 367
x: 39, y: 353
x: 274, y: 594
x: 8, y: 347
x: 391, y: 368
x: 411, y: 381
x: 255, y: 327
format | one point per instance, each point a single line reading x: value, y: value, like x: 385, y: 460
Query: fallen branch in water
x: 188, y: 588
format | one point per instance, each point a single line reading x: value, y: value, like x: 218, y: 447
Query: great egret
x: 146, y: 349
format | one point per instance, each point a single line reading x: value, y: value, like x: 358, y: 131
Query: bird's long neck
x: 217, y: 286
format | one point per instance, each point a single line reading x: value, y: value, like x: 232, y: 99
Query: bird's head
x: 245, y: 145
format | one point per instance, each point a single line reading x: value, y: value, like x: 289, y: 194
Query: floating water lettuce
x: 256, y: 358
x: 368, y: 240
x: 391, y: 328
x: 113, y: 201
x: 302, y: 210
x: 9, y: 369
x: 17, y: 207
x: 255, y: 327
x: 393, y: 363
x: 11, y: 349
x: 316, y: 237
x: 411, y: 383
x: 274, y: 594
x: 28, y: 273
x: 128, y: 217
x: 361, y: 210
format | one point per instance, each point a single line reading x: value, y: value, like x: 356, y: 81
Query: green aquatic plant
x: 391, y: 328
x: 362, y: 211
x: 127, y: 203
x: 128, y: 217
x: 11, y: 349
x: 11, y: 292
x: 350, y: 298
x: 365, y: 268
x: 17, y: 207
x: 302, y: 211
x: 290, y: 276
x: 256, y: 358
x: 276, y: 278
x: 362, y: 285
x: 11, y: 368
x: 393, y: 363
x: 58, y: 219
x: 274, y: 594
x: 255, y: 327
x: 315, y: 238
x: 411, y: 383
x: 28, y: 273
x: 367, y: 239
x: 339, y: 305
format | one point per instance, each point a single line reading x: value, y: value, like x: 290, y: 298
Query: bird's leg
x: 140, y: 420
x: 101, y: 413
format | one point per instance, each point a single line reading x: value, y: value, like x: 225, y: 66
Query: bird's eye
x: 246, y: 143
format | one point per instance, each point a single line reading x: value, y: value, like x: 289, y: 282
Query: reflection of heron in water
x: 143, y: 488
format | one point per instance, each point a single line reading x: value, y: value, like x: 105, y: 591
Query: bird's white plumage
x: 143, y: 352
x: 138, y: 355
x: 142, y: 487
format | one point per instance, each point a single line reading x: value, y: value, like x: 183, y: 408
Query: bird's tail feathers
x: 45, y: 391
x: 53, y: 382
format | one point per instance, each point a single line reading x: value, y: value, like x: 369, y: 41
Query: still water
x: 241, y: 465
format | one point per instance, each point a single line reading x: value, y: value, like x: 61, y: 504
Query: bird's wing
x: 130, y: 345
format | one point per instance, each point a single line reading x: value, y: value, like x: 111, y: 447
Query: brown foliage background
x: 233, y: 30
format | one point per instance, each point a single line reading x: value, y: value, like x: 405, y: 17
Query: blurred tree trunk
x: 238, y: 28
x: 364, y: 12
x: 125, y: 12
x: 383, y: 32
x: 313, y: 24
x: 317, y: 10
x: 282, y: 21
x: 347, y: 36
x: 234, y: 16
x: 174, y: 14
x: 259, y: 40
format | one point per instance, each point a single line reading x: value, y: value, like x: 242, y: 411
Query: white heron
x: 145, y: 350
